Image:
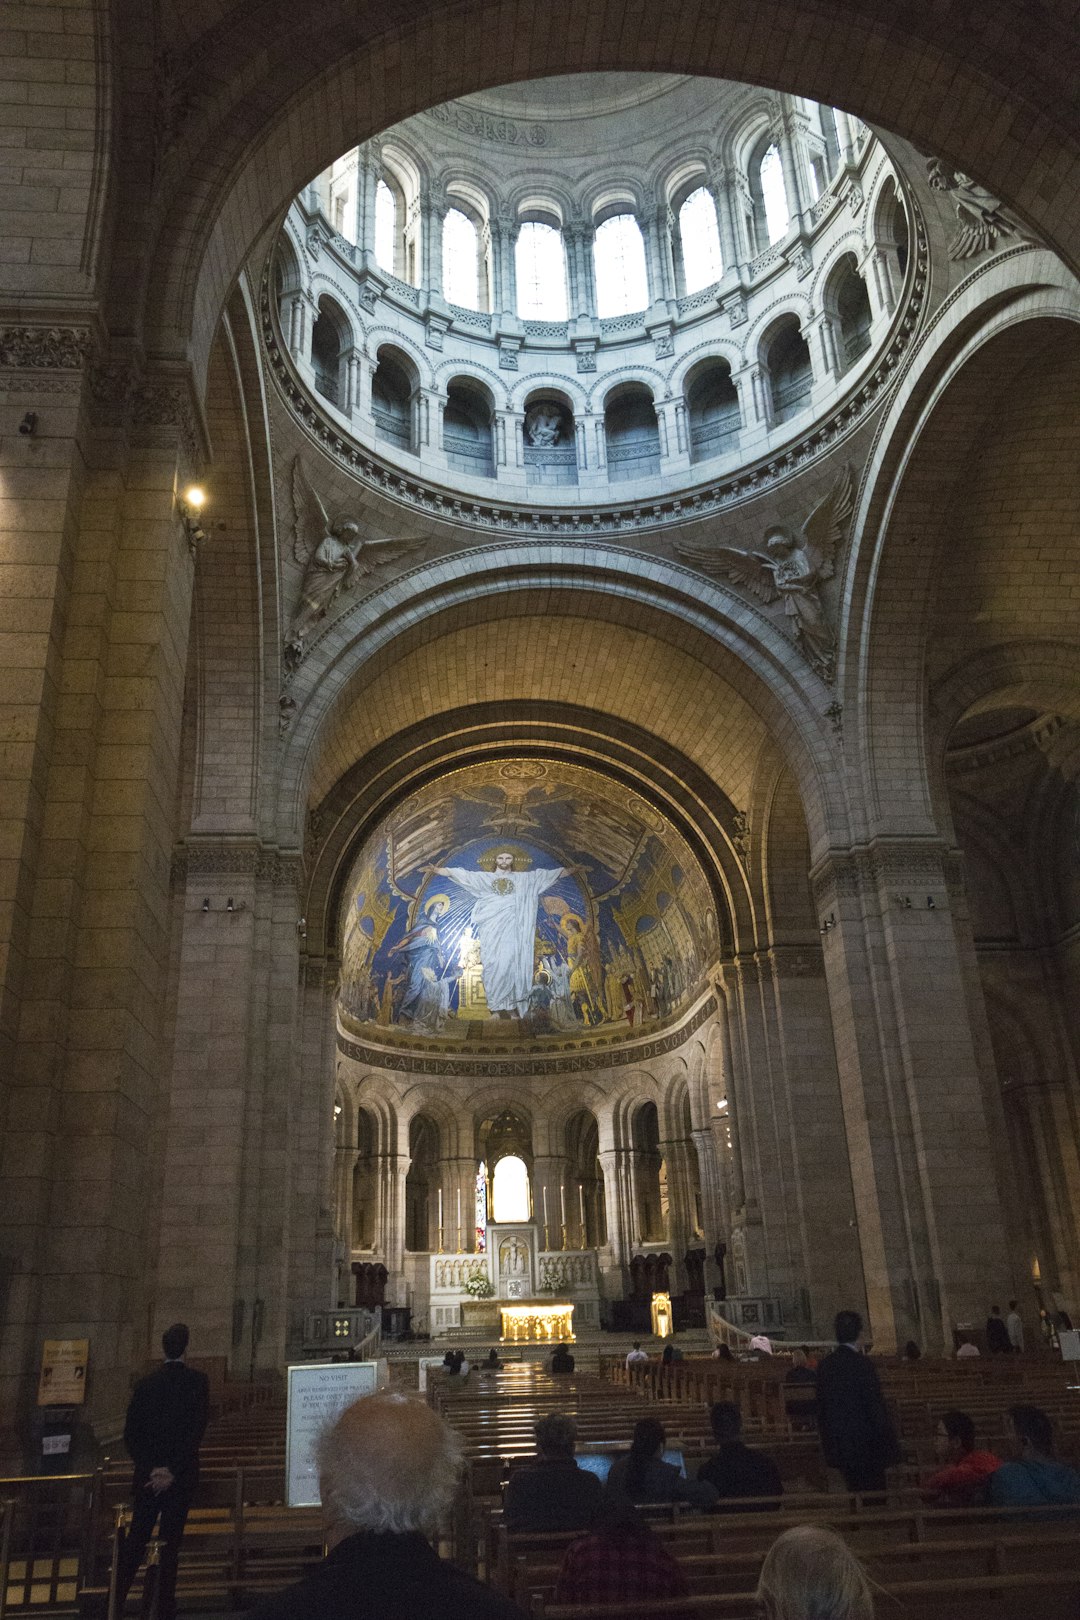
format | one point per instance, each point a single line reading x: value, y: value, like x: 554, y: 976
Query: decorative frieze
x: 46, y: 348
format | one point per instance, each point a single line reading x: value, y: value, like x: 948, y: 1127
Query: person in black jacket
x: 388, y: 1471
x: 552, y: 1493
x: 165, y: 1423
x: 736, y: 1470
x: 857, y: 1435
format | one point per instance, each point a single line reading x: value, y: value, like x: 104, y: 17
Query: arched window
x: 467, y: 437
x: 327, y: 350
x: 713, y: 408
x: 700, y: 238
x: 386, y: 227
x: 632, y: 435
x: 773, y: 195
x: 851, y: 311
x: 622, y: 283
x: 540, y: 264
x: 461, y: 260
x: 790, y: 374
x: 510, y: 1190
x: 391, y: 401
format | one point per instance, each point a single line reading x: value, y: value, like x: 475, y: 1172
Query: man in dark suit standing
x: 857, y: 1435
x: 163, y: 1431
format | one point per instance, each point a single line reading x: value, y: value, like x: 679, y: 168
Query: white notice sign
x: 316, y: 1394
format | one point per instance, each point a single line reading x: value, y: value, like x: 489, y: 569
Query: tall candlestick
x: 440, y: 1209
x: 459, y: 1220
x: 562, y: 1202
x: 581, y: 1207
x: 545, y: 1218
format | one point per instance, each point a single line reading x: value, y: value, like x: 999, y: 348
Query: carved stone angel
x: 980, y: 216
x: 334, y: 557
x: 791, y: 569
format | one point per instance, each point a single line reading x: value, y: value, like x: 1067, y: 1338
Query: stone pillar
x: 678, y: 1155
x: 503, y: 229
x: 619, y: 1204
x: 714, y: 1203
x: 579, y: 239
x: 785, y: 146
x: 844, y: 137
x: 367, y: 179
x: 660, y: 226
x: 721, y: 189
x: 390, y: 1232
x: 934, y: 1249
x: 551, y: 1176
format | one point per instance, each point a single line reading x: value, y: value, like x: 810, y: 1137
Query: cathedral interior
x: 540, y: 567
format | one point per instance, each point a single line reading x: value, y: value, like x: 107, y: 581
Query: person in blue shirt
x: 1035, y: 1478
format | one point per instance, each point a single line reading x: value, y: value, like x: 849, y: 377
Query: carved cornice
x: 46, y: 348
x: 886, y: 864
x: 198, y: 860
x: 610, y: 519
x: 527, y: 1064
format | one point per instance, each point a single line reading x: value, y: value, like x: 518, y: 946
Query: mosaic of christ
x: 523, y: 900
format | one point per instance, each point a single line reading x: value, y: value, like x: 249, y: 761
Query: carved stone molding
x: 45, y: 348
x: 885, y: 865
x: 417, y: 1061
x: 249, y: 859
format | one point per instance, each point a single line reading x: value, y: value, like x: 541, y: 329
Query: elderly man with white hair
x: 388, y: 1469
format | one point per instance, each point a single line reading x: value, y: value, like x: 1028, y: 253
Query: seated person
x: 723, y: 1353
x: 388, y: 1472
x: 961, y: 1482
x: 912, y: 1351
x: 493, y: 1359
x: 552, y: 1493
x: 637, y: 1355
x: 671, y: 1354
x: 643, y: 1476
x: 811, y: 1574
x: 621, y: 1561
x: 736, y: 1470
x: 967, y: 1347
x: 561, y: 1360
x: 1035, y: 1478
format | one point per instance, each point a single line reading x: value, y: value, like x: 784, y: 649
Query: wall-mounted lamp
x: 301, y: 927
x: 722, y: 1105
x: 206, y: 904
x: 189, y: 505
x: 28, y: 425
x: 904, y: 900
x: 930, y: 906
x: 827, y: 923
x: 337, y: 1110
x: 230, y: 905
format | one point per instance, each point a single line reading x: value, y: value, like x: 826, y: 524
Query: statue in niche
x: 334, y: 556
x: 543, y: 424
x: 512, y: 1257
x: 791, y: 569
x: 980, y: 215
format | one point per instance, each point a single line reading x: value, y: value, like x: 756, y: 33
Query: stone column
x: 551, y: 1176
x: 580, y: 239
x: 661, y: 226
x: 678, y: 1156
x: 785, y: 146
x: 844, y: 137
x: 721, y: 189
x: 714, y: 1203
x: 367, y: 179
x: 619, y: 1204
x: 933, y: 1244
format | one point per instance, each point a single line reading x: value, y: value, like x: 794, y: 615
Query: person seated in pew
x: 966, y: 1348
x: 810, y: 1573
x: 962, y: 1480
x: 562, y: 1362
x: 552, y: 1493
x: 388, y: 1471
x: 493, y: 1359
x: 643, y: 1476
x: 622, y: 1560
x: 911, y: 1351
x: 736, y: 1470
x: 637, y: 1355
x: 723, y: 1353
x: 801, y: 1378
x: 1035, y: 1478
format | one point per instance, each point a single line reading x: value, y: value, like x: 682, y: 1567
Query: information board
x: 316, y: 1394
x: 62, y: 1381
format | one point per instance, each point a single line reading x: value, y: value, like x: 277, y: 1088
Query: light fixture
x: 930, y: 903
x: 827, y: 923
x: 189, y: 505
x: 206, y: 904
x: 229, y: 904
x: 301, y: 927
x: 337, y: 1110
x: 232, y: 906
x: 722, y: 1105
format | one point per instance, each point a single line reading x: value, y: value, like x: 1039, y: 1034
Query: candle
x: 581, y: 1207
x: 562, y: 1203
x: 440, y: 1211
x: 545, y: 1215
x: 459, y: 1220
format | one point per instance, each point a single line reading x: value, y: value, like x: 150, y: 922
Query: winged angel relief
x: 791, y: 569
x: 333, y: 556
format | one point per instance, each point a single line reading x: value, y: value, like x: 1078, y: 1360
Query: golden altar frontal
x: 537, y: 1322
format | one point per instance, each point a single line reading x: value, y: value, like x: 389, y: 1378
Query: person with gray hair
x: 552, y: 1493
x: 810, y: 1573
x: 388, y: 1472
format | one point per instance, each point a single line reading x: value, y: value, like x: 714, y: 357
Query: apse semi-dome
x: 618, y: 288
x: 523, y: 903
